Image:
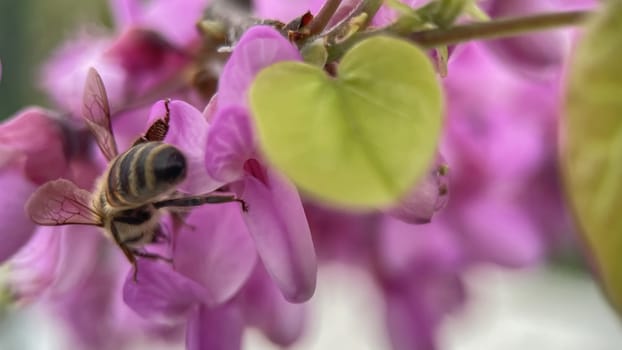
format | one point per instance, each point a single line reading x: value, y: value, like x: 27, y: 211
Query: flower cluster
x: 233, y: 269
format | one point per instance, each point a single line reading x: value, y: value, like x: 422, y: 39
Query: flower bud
x: 429, y: 196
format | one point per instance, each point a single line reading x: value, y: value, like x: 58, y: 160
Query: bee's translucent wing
x: 61, y: 202
x: 96, y: 113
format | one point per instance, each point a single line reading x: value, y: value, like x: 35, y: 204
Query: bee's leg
x: 193, y: 201
x: 135, y: 277
x: 161, y: 235
x: 179, y: 220
x: 130, y: 256
x: 153, y: 256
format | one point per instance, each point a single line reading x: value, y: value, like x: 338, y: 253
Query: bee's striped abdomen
x: 143, y: 173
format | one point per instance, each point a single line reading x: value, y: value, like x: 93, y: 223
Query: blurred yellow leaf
x: 592, y: 159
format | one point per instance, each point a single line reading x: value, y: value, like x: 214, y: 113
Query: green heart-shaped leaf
x: 592, y: 163
x: 360, y: 139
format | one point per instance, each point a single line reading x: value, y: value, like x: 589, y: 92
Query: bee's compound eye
x: 169, y: 165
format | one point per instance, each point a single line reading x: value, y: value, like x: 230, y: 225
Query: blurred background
x: 552, y: 307
x: 29, y: 31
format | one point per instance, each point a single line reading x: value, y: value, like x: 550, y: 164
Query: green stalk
x: 494, y: 29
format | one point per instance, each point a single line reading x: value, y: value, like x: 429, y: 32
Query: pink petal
x: 230, y: 143
x: 259, y: 47
x: 408, y: 329
x: 55, y: 260
x: 217, y: 328
x: 34, y: 135
x: 340, y: 235
x: 160, y: 293
x: 284, y: 11
x: 92, y: 304
x: 403, y: 248
x: 124, y: 12
x: 496, y: 136
x: 17, y: 228
x: 210, y: 110
x: 78, y: 247
x: 174, y: 19
x: 415, y: 309
x: 215, y: 250
x: 386, y: 15
x: 261, y: 297
x: 345, y: 9
x: 188, y: 132
x: 498, y: 230
x: 65, y: 73
x: 141, y: 51
x: 277, y: 222
x: 33, y: 266
x: 537, y: 55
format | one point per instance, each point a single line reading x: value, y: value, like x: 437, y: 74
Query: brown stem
x: 323, y: 17
x: 504, y: 27
x: 498, y: 28
x: 370, y: 7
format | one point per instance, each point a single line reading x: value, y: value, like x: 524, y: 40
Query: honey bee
x: 136, y: 185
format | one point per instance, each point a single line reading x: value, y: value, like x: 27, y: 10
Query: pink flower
x: 174, y: 20
x: 426, y: 198
x: 65, y: 72
x: 32, y: 151
x: 498, y: 145
x: 276, y: 221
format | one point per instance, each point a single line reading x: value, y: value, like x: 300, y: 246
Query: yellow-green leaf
x: 592, y: 134
x: 360, y: 139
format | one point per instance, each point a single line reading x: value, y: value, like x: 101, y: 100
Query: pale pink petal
x: 259, y: 47
x: 218, y: 328
x: 174, y: 19
x: 498, y: 230
x: 387, y: 15
x: 36, y: 141
x: 79, y: 247
x: 160, y: 293
x: 210, y: 110
x: 230, y: 142
x: 33, y: 266
x: 277, y: 222
x: 403, y: 247
x: 260, y: 297
x: 340, y: 235
x: 124, y: 12
x: 54, y: 261
x: 65, y: 73
x: 215, y: 250
x: 536, y: 55
x: 415, y: 308
x: 17, y: 228
x: 284, y: 10
x: 408, y: 328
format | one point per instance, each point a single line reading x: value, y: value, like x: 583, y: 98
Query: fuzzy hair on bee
x: 137, y: 185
